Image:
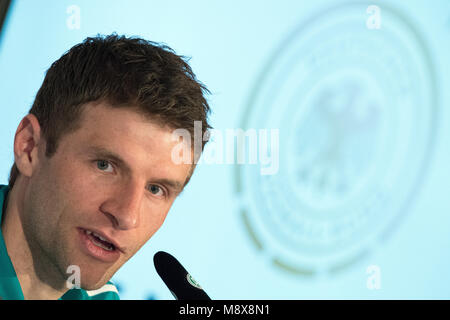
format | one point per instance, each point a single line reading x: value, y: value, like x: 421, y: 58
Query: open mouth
x: 99, y: 247
x: 99, y: 241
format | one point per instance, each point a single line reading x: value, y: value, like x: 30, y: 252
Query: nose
x: 123, y: 207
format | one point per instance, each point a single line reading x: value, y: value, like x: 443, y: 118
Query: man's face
x: 115, y: 177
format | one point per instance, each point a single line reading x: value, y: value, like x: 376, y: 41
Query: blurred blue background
x: 358, y: 90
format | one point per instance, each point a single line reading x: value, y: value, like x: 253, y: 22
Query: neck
x: 38, y: 277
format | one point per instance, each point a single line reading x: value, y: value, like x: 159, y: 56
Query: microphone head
x: 177, y: 279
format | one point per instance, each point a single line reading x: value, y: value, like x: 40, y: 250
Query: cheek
x: 152, y: 224
x: 44, y: 208
x: 79, y: 185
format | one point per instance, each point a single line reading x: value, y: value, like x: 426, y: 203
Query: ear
x: 26, y: 143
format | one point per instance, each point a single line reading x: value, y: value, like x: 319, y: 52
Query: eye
x: 156, y: 190
x: 103, y: 165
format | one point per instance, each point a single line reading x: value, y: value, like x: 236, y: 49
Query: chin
x: 94, y: 278
x: 92, y: 274
x: 93, y: 284
x: 90, y: 286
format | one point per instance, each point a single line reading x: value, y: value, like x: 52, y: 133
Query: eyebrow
x: 102, y: 152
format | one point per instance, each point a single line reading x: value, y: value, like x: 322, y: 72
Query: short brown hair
x: 124, y: 72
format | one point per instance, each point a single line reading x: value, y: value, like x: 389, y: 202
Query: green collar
x: 9, y: 284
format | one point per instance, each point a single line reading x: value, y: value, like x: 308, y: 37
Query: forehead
x: 112, y: 125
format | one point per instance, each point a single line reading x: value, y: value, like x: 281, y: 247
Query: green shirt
x: 9, y: 284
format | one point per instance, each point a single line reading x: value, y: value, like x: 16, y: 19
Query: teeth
x: 97, y: 235
x: 98, y: 244
x: 101, y: 238
x: 101, y: 245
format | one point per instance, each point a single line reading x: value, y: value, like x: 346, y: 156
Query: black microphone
x: 177, y: 279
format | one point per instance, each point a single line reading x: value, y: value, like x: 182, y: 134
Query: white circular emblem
x: 356, y: 110
x: 193, y: 282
